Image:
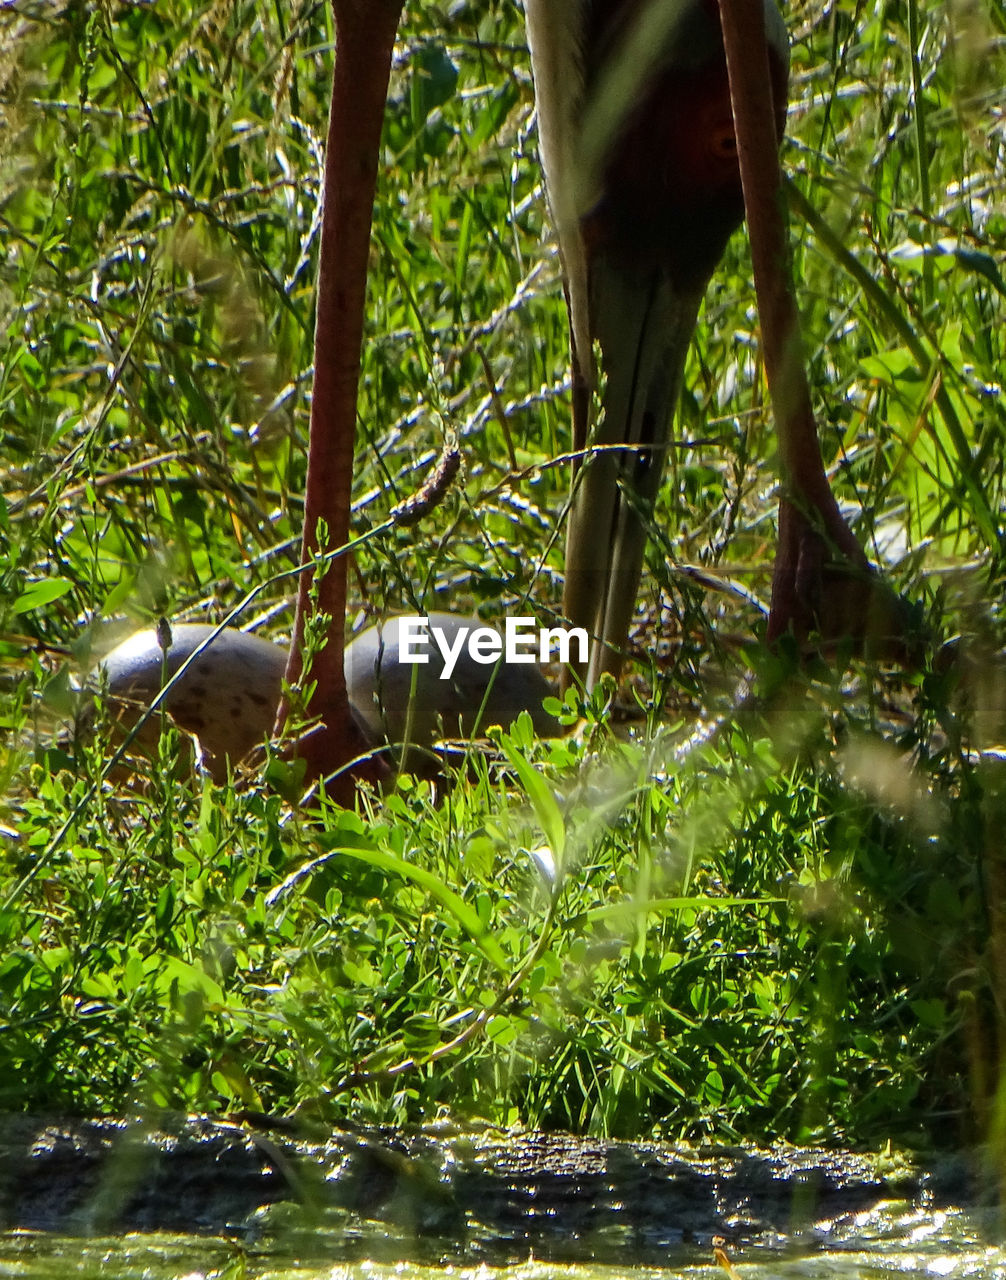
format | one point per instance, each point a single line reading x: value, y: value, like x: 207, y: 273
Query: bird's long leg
x: 365, y: 35
x: 823, y: 581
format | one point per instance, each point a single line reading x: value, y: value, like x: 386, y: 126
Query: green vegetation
x: 792, y: 929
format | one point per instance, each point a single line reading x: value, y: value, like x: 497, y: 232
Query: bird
x: 638, y: 148
x: 636, y: 138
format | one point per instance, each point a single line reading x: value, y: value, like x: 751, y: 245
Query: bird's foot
x: 336, y: 753
x: 832, y: 604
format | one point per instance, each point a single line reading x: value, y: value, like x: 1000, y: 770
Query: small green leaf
x: 41, y: 593
x: 543, y: 802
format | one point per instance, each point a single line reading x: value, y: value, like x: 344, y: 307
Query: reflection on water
x: 893, y: 1239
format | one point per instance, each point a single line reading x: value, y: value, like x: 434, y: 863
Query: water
x: 893, y: 1239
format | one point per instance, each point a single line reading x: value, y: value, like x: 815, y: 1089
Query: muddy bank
x: 486, y: 1195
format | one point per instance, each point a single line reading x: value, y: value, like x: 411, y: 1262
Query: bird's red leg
x: 365, y: 36
x: 823, y: 581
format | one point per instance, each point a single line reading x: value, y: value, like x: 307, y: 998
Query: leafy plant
x: 789, y: 926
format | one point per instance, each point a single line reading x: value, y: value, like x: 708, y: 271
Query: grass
x: 792, y: 929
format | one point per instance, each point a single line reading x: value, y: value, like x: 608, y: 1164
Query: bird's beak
x: 644, y: 327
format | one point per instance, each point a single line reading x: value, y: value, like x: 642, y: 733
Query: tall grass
x: 791, y: 929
